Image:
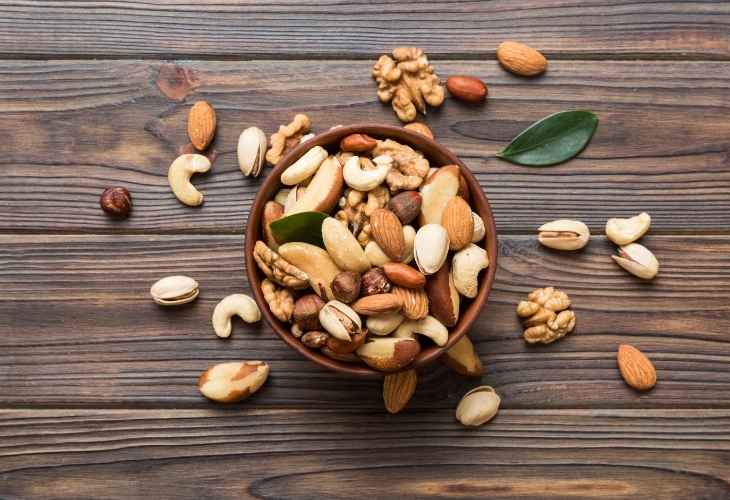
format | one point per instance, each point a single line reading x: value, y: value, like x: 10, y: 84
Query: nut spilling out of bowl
x: 398, y: 250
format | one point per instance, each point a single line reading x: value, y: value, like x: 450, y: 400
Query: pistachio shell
x: 430, y: 248
x: 478, y: 406
x: 638, y: 260
x: 174, y: 290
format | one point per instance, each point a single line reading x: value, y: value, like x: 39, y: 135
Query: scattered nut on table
x: 174, y: 290
x: 638, y: 260
x: 564, y: 234
x: 232, y: 382
x: 116, y: 201
x: 237, y: 304
x: 478, y: 406
x: 179, y: 175
x: 251, y: 151
x: 545, y: 315
x: 625, y: 231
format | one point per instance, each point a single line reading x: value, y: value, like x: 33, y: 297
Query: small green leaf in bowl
x: 552, y: 140
x: 304, y: 226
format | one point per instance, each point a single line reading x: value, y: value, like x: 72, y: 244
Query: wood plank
x: 249, y: 453
x: 77, y: 327
x: 295, y: 28
x: 74, y: 127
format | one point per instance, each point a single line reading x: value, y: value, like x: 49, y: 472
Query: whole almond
x: 378, y: 304
x: 636, y: 369
x: 404, y: 275
x: 458, y: 222
x: 419, y: 128
x: 387, y: 230
x: 398, y: 390
x: 415, y: 302
x: 521, y: 59
x: 357, y: 143
x: 201, y: 125
x: 406, y: 206
x: 467, y: 88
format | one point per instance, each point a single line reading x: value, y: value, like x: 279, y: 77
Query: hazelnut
x: 116, y: 201
x: 306, y: 312
x: 315, y: 339
x: 346, y: 286
x: 406, y: 206
x: 375, y: 282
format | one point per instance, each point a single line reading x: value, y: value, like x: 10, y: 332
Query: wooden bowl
x: 437, y: 155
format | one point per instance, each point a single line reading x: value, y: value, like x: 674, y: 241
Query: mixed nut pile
x: 370, y: 250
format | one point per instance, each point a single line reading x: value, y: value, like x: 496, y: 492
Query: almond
x: 389, y: 354
x: 420, y: 128
x: 463, y: 358
x: 521, y: 59
x: 636, y: 369
x: 201, y: 125
x: 232, y: 382
x: 404, y: 275
x: 398, y: 390
x: 467, y: 88
x: 443, y: 296
x: 415, y: 302
x: 387, y: 230
x: 406, y: 206
x: 378, y: 304
x: 458, y: 222
x: 357, y: 143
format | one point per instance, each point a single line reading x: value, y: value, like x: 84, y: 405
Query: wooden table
x: 97, y: 383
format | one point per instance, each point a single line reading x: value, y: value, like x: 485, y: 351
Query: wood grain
x: 79, y: 329
x: 297, y: 28
x: 252, y: 453
x: 72, y: 128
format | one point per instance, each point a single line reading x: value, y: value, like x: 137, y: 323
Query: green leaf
x: 304, y: 226
x: 552, y: 140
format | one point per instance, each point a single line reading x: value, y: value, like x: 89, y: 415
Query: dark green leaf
x: 304, y: 226
x: 552, y: 140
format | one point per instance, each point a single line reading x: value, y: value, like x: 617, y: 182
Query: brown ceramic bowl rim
x: 330, y: 140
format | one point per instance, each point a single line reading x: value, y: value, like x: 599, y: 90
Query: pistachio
x: 251, y: 151
x: 430, y: 248
x: 478, y: 406
x: 564, y: 234
x: 638, y: 260
x: 340, y: 320
x: 625, y: 231
x: 174, y: 290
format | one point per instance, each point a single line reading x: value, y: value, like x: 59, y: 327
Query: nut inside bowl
x: 438, y: 156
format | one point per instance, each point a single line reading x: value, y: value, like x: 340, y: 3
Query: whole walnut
x: 408, y: 82
x: 374, y: 282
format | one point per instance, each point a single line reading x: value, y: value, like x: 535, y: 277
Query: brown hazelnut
x: 374, y: 282
x: 306, y: 312
x: 116, y: 201
x: 346, y: 286
x: 406, y: 206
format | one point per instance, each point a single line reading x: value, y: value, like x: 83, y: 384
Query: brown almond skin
x: 201, y: 125
x: 272, y: 211
x: 404, y: 275
x: 377, y: 304
x: 419, y: 128
x: 521, y: 59
x: 357, y: 143
x: 415, y: 302
x: 398, y: 390
x: 636, y: 369
x: 458, y: 222
x: 387, y: 230
x: 439, y: 296
x: 468, y: 89
x: 406, y: 206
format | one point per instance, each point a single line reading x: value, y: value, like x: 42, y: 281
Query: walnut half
x: 545, y: 315
x: 407, y: 82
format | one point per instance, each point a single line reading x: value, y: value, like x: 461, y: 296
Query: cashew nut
x: 237, y: 304
x: 179, y: 175
x: 366, y: 180
x: 304, y: 167
x: 428, y: 326
x: 465, y: 269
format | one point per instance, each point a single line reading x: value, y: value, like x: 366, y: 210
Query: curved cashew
x: 479, y: 230
x: 237, y: 304
x: 366, y: 180
x: 428, y: 326
x: 304, y: 167
x: 465, y: 269
x: 179, y: 175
